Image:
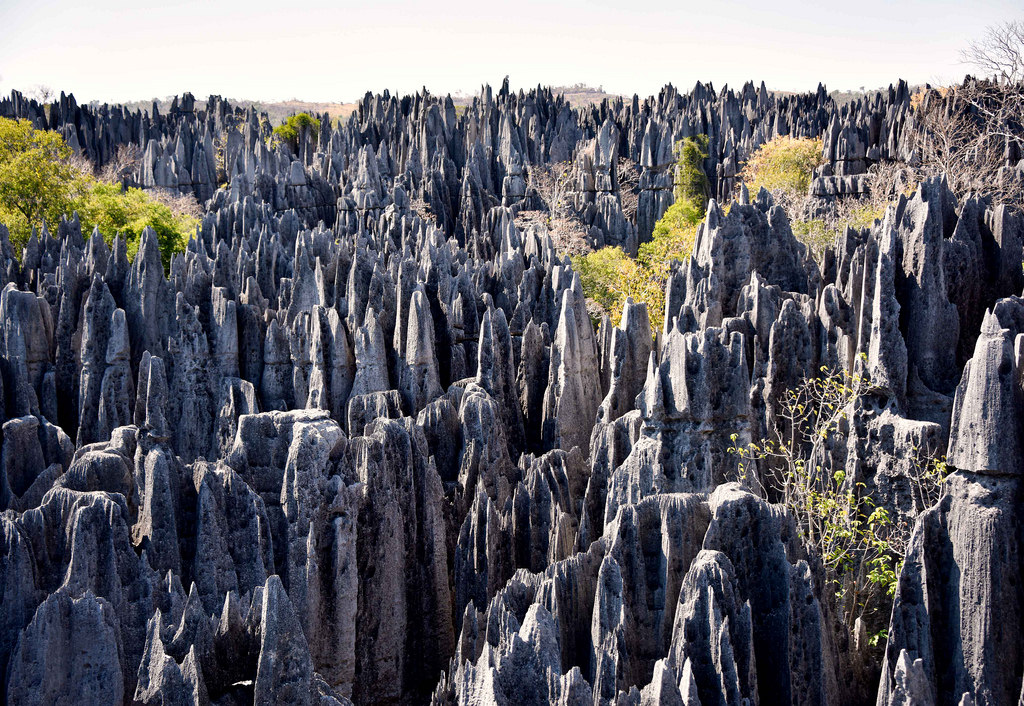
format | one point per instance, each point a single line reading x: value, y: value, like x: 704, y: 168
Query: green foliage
x: 682, y: 216
x: 783, y: 164
x: 879, y: 637
x: 600, y: 274
x: 609, y: 276
x: 818, y: 234
x: 37, y: 180
x: 860, y: 544
x: 290, y: 129
x: 674, y: 233
x: 691, y: 182
x: 128, y: 212
x: 671, y: 241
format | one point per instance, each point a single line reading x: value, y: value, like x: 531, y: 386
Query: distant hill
x: 580, y: 95
x: 278, y: 111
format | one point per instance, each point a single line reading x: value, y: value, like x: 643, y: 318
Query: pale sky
x: 320, y: 50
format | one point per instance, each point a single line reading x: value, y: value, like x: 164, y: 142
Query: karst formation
x: 363, y: 441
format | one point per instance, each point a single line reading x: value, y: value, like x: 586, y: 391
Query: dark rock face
x: 959, y: 605
x: 364, y: 443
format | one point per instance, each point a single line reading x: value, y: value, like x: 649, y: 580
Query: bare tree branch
x: 973, y: 133
x: 1000, y: 53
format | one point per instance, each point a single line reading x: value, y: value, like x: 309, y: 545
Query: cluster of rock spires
x: 352, y: 450
x: 461, y: 164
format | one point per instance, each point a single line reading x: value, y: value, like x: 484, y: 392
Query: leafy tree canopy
x: 37, y: 179
x: 609, y: 275
x: 290, y: 129
x: 783, y: 164
x: 40, y: 182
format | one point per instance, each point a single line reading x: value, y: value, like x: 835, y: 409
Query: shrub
x: 600, y: 273
x: 603, y: 274
x: 815, y: 234
x: 38, y: 182
x: 783, y: 164
x: 672, y: 238
x: 673, y: 234
x: 290, y: 129
x: 963, y: 135
x: 861, y: 545
x: 609, y: 275
x: 691, y: 182
x: 128, y: 212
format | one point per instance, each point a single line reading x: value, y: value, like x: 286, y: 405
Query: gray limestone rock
x: 630, y: 349
x: 366, y: 407
x: 960, y: 628
x: 570, y: 403
x: 285, y: 672
x: 985, y: 434
x: 69, y: 654
x: 419, y: 382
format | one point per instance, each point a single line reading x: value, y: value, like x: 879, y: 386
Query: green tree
x: 37, y: 180
x: 290, y: 129
x: 128, y: 212
x: 692, y: 183
x: 673, y: 236
x: 609, y: 275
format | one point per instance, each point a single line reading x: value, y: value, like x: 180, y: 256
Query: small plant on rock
x: 860, y: 544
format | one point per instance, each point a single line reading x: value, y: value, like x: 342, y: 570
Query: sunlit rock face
x: 363, y: 441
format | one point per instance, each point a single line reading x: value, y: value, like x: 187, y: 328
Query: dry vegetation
x: 552, y: 183
x: 965, y: 134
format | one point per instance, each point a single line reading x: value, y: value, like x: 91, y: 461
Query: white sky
x: 320, y: 50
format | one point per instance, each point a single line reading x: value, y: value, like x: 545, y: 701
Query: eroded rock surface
x: 364, y: 442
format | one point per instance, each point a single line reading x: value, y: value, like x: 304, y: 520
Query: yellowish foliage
x: 609, y: 275
x: 918, y: 96
x: 783, y: 163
